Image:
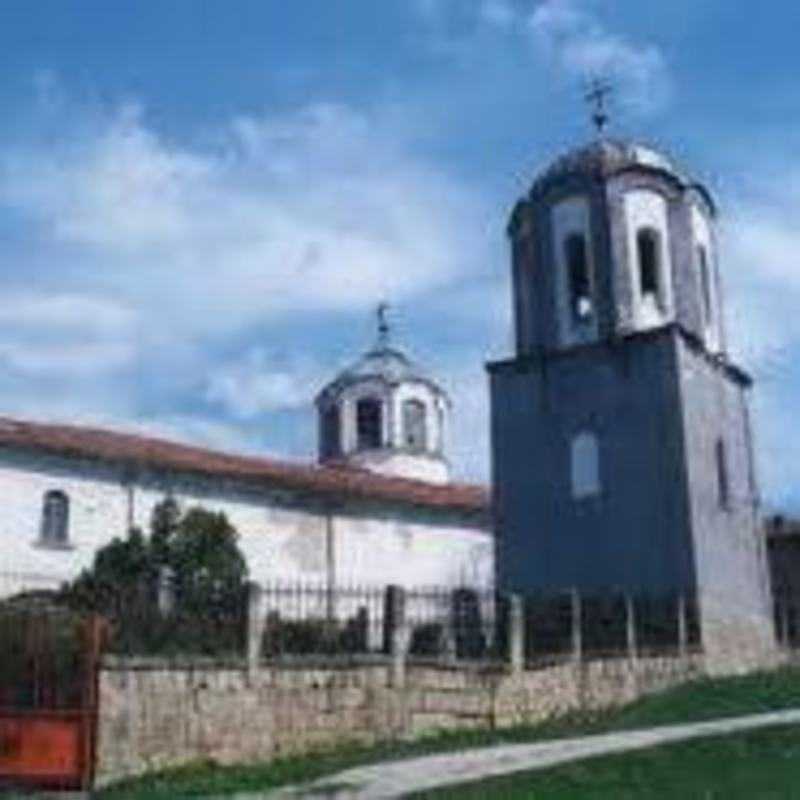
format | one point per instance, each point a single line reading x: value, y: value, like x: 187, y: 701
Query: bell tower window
x: 705, y: 282
x: 369, y: 423
x: 648, y: 247
x: 414, y: 433
x: 331, y: 432
x: 580, y: 297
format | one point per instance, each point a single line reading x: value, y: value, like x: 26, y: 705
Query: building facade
x: 621, y: 439
x: 363, y: 516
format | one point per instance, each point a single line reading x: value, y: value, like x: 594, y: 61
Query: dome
x: 385, y: 363
x: 604, y: 157
x: 384, y: 413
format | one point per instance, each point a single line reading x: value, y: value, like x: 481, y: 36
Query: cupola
x: 614, y: 238
x: 385, y: 414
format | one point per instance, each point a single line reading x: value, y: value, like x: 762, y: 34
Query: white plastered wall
x: 645, y: 208
x: 702, y: 235
x: 281, y: 544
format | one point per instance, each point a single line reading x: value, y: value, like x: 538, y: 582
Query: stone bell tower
x: 385, y: 414
x: 621, y: 439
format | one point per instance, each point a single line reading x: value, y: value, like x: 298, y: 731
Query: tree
x: 182, y: 588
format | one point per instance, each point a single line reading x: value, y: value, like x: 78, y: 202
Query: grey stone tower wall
x: 636, y: 533
x: 730, y: 551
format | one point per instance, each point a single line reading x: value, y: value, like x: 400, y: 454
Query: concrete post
x: 398, y: 633
x: 630, y: 620
x: 683, y: 631
x: 516, y: 634
x: 577, y: 627
x: 255, y: 627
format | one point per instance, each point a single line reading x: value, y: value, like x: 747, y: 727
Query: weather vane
x: 383, y: 323
x: 597, y: 97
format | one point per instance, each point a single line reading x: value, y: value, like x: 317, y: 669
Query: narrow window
x: 330, y: 432
x: 723, y: 487
x: 369, y: 423
x: 705, y: 282
x: 414, y: 425
x: 55, y: 518
x: 580, y: 297
x: 585, y: 466
x: 647, y: 245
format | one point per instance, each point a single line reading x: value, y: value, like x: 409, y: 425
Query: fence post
x: 630, y: 619
x: 397, y: 630
x: 255, y: 627
x: 516, y: 634
x: 683, y: 637
x: 577, y: 625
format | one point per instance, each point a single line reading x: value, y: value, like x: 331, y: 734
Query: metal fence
x: 276, y: 620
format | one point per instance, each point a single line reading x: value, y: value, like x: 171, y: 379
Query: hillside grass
x: 757, y: 764
x: 700, y: 700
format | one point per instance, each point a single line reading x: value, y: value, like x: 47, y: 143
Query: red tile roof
x: 331, y: 481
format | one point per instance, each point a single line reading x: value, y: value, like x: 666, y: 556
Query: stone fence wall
x: 155, y: 714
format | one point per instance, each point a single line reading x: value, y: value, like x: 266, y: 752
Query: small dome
x: 384, y: 363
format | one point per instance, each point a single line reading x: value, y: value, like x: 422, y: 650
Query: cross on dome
x: 597, y: 96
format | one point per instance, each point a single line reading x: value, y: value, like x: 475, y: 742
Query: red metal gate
x: 48, y: 696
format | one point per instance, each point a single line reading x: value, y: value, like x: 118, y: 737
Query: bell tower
x: 621, y: 439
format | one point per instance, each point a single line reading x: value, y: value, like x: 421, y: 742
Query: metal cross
x: 597, y: 97
x: 383, y: 323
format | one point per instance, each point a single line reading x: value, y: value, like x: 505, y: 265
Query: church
x: 377, y: 508
x: 622, y: 453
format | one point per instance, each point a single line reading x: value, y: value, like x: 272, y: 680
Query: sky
x: 201, y: 203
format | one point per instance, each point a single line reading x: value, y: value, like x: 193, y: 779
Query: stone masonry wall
x: 155, y: 714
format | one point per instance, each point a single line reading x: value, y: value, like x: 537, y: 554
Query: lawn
x: 700, y: 700
x: 747, y: 766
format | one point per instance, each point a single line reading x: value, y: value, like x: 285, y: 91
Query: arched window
x: 330, y: 432
x: 705, y: 282
x: 580, y: 294
x: 369, y: 423
x: 55, y: 518
x: 723, y: 487
x: 414, y: 433
x: 648, y: 247
x: 585, y: 465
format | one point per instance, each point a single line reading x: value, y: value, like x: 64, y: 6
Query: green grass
x: 746, y: 766
x: 700, y: 700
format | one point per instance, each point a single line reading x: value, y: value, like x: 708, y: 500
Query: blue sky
x: 201, y: 202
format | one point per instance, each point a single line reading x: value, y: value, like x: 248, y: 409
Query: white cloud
x: 257, y: 384
x: 57, y: 334
x: 579, y: 44
x: 314, y: 210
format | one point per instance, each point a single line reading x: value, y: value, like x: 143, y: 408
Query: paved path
x: 396, y: 779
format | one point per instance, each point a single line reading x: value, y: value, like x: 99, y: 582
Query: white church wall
x: 282, y: 541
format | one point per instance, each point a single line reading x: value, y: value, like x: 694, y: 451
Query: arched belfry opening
x: 390, y: 414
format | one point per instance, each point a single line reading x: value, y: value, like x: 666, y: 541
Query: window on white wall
x: 414, y: 433
x: 648, y: 246
x: 55, y: 518
x: 580, y: 291
x: 369, y: 423
x: 585, y: 465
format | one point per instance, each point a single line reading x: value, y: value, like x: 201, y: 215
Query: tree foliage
x: 180, y: 588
